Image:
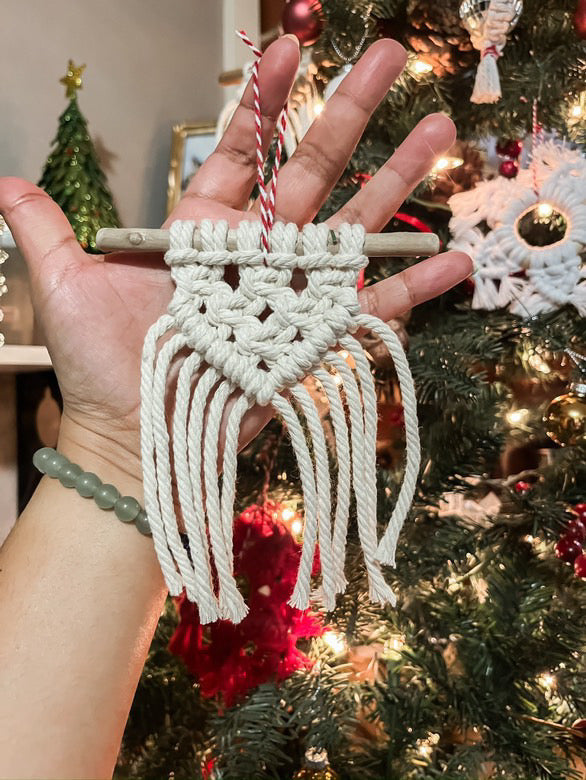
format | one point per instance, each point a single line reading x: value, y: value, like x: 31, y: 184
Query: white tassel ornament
x: 489, y: 22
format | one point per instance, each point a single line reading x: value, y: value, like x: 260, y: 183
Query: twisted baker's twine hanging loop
x: 267, y: 201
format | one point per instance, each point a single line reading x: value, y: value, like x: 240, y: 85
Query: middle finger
x: 308, y: 177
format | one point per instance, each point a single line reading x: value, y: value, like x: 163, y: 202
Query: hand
x: 95, y: 311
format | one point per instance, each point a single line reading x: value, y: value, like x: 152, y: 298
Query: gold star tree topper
x: 72, y: 79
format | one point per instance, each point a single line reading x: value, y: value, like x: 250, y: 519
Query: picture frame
x: 191, y: 144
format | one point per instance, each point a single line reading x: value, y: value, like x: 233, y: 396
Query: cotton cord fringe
x: 253, y: 344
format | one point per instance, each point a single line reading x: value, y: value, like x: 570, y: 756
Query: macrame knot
x: 250, y: 338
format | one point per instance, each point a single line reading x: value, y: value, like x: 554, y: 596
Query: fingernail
x: 292, y: 38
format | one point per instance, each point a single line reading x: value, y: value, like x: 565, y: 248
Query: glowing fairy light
x: 420, y: 68
x: 447, y: 164
x: 547, y: 681
x: 517, y: 416
x: 335, y: 641
x: 296, y: 527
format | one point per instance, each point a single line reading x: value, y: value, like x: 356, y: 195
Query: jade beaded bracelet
x: 127, y: 509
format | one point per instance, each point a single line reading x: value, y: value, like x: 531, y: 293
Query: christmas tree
x: 72, y: 174
x: 479, y: 670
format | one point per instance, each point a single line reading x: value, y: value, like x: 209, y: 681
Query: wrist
x: 112, y: 455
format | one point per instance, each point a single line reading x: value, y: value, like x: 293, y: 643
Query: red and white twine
x: 267, y: 199
x: 536, y: 139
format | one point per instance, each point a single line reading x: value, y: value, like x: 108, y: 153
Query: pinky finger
x: 417, y: 284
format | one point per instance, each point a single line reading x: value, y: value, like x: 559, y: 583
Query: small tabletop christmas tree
x: 72, y: 175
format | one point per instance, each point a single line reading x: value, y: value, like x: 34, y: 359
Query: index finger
x: 228, y: 175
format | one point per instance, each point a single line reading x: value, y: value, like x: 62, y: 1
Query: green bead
x: 54, y: 464
x: 41, y: 457
x: 106, y: 496
x: 87, y: 483
x: 69, y: 474
x: 142, y: 523
x: 126, y: 508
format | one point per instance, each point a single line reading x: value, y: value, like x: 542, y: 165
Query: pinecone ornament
x: 437, y: 35
x: 460, y: 179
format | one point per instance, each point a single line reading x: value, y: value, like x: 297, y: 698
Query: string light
x: 420, y: 68
x: 577, y: 110
x: 544, y: 210
x: 425, y: 746
x: 517, y: 416
x: 290, y: 518
x: 335, y: 641
x: 446, y: 164
x: 547, y: 681
x: 318, y: 107
x: 297, y: 527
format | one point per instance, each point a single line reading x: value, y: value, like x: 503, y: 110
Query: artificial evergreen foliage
x: 479, y: 671
x: 72, y: 175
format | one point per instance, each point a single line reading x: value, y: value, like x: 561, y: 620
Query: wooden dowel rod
x: 375, y: 244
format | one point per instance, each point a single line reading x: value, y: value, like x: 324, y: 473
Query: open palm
x: 95, y: 311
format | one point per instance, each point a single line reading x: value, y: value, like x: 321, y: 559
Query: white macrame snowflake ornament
x: 509, y: 271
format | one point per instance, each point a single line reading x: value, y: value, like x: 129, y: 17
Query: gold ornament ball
x: 316, y: 774
x: 565, y: 417
x: 316, y: 766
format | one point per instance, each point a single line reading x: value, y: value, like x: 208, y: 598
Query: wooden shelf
x: 15, y: 358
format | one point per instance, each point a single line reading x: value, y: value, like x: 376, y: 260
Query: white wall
x: 150, y: 64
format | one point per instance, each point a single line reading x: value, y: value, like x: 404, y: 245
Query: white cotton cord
x: 379, y: 590
x: 232, y: 606
x: 229, y: 464
x: 195, y: 425
x: 322, y: 479
x: 388, y: 544
x: 302, y: 589
x: 344, y: 483
x: 194, y: 526
x: 151, y: 498
x: 163, y: 463
x: 370, y: 411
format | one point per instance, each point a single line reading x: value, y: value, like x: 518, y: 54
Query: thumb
x: 40, y: 229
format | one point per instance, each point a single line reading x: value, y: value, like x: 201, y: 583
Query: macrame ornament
x: 509, y: 270
x: 253, y: 344
x: 489, y: 24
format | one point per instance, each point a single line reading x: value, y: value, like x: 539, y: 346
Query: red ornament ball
x: 577, y: 529
x: 580, y: 566
x: 510, y: 148
x: 580, y: 511
x: 509, y: 169
x: 303, y: 19
x: 568, y: 549
x: 522, y: 487
x: 580, y: 19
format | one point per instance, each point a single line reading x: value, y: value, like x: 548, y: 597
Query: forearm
x: 80, y: 595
